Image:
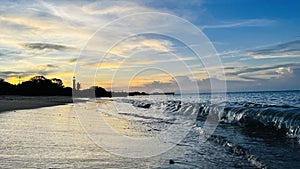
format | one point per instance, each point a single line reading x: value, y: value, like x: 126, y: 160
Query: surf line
x: 233, y: 148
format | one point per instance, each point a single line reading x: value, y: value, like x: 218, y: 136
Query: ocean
x: 236, y: 130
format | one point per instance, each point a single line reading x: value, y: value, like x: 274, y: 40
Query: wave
x: 275, y: 122
x: 234, y: 149
x: 284, y: 120
x: 137, y: 103
x: 281, y: 119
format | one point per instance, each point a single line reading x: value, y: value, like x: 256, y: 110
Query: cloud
x: 9, y: 54
x: 8, y: 25
x: 242, y: 23
x: 30, y: 23
x: 260, y: 73
x: 115, y: 8
x: 52, y: 24
x: 286, y: 82
x: 176, y: 84
x: 45, y: 46
x: 156, y: 84
x: 256, y: 69
x: 139, y: 44
x: 284, y: 71
x: 95, y: 14
x: 16, y: 74
x: 5, y: 74
x: 283, y: 50
x: 42, y: 69
x: 182, y: 84
x: 52, y: 66
x: 58, y: 28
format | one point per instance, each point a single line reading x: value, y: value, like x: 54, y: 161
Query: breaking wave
x: 282, y: 119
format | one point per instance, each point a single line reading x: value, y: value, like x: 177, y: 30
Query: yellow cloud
x: 34, y: 23
x: 159, y: 45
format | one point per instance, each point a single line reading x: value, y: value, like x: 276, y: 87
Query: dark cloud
x: 7, y: 74
x: 279, y: 82
x: 43, y: 46
x: 229, y: 68
x: 73, y: 60
x: 43, y: 70
x: 52, y: 66
x: 10, y: 54
x: 265, y: 68
x: 284, y: 49
x: 251, y: 78
x: 295, y: 43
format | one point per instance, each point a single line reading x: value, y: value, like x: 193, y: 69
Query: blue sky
x: 258, y: 43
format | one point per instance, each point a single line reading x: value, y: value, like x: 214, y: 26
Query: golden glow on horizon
x: 15, y: 80
x: 137, y: 82
x: 110, y: 65
x: 142, y: 80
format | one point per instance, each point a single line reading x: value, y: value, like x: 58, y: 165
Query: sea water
x: 250, y: 130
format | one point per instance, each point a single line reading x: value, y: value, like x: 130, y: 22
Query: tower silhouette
x: 78, y: 86
x: 74, y: 83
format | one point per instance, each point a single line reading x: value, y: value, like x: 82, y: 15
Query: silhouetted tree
x: 58, y: 82
x: 41, y: 86
x: 101, y: 92
x: 6, y: 88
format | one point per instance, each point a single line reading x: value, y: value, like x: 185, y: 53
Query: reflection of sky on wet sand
x: 120, y: 125
x: 51, y: 137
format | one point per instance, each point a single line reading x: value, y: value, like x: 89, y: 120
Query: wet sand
x: 52, y: 137
x: 10, y: 103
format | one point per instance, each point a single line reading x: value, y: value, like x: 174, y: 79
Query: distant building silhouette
x: 19, y: 79
x: 78, y: 86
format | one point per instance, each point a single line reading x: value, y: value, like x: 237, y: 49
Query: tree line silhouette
x: 36, y: 86
x: 41, y: 86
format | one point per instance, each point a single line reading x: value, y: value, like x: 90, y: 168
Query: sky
x: 154, y: 46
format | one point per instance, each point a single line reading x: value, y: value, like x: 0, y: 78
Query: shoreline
x: 12, y: 103
x: 54, y: 138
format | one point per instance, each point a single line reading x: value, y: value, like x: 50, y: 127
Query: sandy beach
x: 52, y: 137
x: 10, y: 103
